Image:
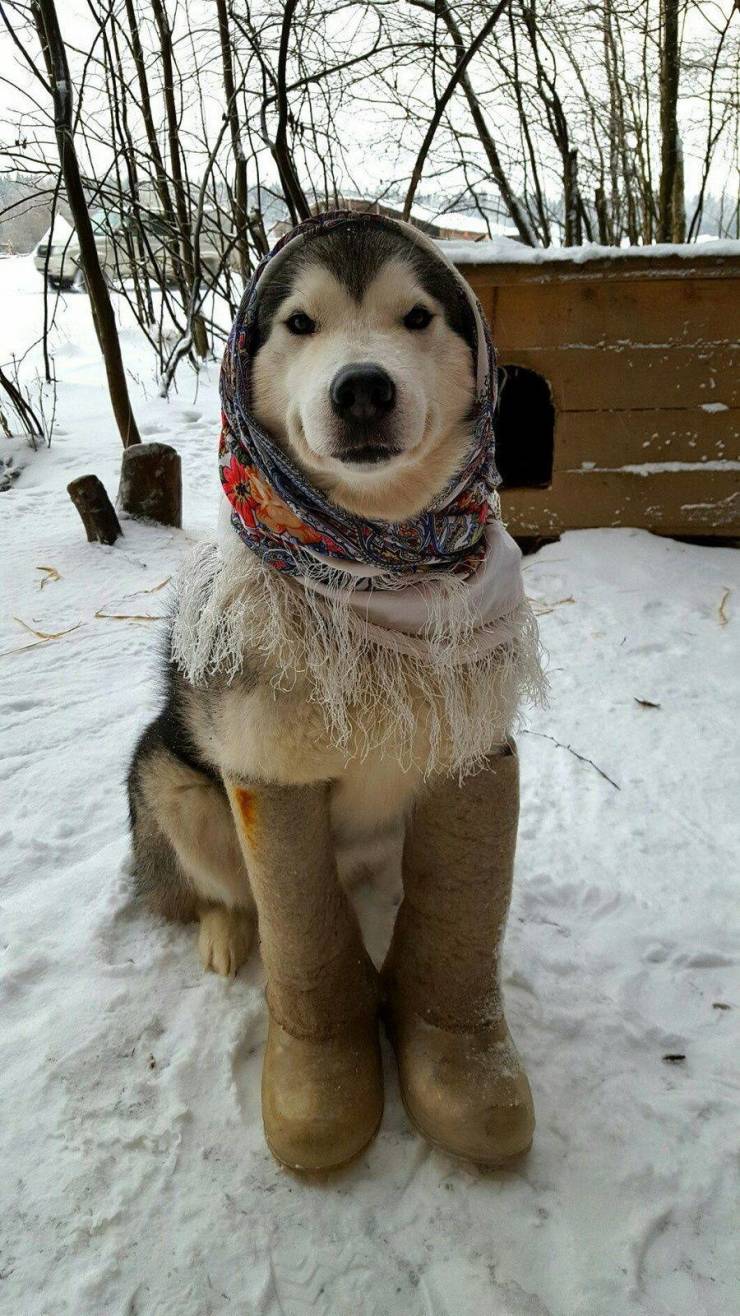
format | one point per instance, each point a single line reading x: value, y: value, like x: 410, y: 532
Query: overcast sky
x: 374, y: 156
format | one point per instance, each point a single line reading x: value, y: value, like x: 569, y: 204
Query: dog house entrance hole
x: 525, y: 429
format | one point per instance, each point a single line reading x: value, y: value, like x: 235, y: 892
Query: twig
x: 46, y: 635
x: 51, y: 574
x: 153, y: 589
x: 542, y: 609
x: 22, y: 408
x: 544, y: 736
x: 723, y: 618
x: 127, y: 616
x: 35, y: 644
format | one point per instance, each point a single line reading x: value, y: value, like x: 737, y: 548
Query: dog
x: 249, y: 792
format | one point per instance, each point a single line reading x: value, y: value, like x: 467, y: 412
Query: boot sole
x: 486, y: 1163
x: 310, y: 1170
x: 493, y: 1163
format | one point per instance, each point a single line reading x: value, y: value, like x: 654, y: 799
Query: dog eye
x: 299, y: 323
x: 418, y: 318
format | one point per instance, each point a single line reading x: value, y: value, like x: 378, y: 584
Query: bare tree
x: 240, y: 162
x: 60, y: 87
x: 199, y: 124
x: 459, y: 72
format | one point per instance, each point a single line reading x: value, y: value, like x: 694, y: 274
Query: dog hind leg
x: 187, y: 857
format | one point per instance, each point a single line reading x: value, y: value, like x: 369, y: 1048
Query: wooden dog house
x: 620, y: 403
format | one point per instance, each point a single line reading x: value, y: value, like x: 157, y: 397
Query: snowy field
x: 135, y: 1180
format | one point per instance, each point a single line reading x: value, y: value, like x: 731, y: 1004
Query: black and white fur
x: 363, y: 304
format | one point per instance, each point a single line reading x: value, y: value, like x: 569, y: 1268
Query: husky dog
x: 290, y: 746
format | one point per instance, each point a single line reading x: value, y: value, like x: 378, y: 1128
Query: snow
x: 60, y: 232
x: 501, y: 251
x: 135, y: 1176
x: 661, y: 468
x: 453, y: 219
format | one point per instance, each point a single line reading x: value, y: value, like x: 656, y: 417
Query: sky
x: 376, y: 155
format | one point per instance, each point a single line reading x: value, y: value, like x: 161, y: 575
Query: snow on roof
x: 502, y: 250
x: 443, y: 219
x: 450, y: 219
x: 60, y: 228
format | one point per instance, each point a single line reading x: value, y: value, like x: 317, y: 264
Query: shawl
x: 295, y: 527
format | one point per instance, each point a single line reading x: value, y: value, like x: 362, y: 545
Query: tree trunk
x: 240, y: 164
x: 121, y: 119
x: 55, y: 56
x: 508, y: 196
x: 95, y: 508
x: 668, y: 119
x: 679, y: 203
x: 182, y: 207
x: 602, y: 216
x: 257, y: 231
x: 462, y: 64
x: 571, y: 198
x: 155, y: 156
x: 295, y: 197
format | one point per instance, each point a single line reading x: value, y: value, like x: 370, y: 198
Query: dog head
x: 363, y: 367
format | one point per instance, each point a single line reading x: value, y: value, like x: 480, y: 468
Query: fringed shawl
x: 389, y: 624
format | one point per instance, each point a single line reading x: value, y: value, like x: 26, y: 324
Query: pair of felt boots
x: 461, y: 1079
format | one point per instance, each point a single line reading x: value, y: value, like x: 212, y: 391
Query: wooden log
x: 151, y: 483
x: 96, y: 509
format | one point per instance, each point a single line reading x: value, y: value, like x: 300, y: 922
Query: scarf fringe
x: 439, y: 707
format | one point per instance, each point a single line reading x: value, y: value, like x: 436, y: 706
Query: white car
x: 122, y: 245
x: 55, y: 250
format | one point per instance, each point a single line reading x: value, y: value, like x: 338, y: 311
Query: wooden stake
x: 96, y: 509
x: 151, y: 483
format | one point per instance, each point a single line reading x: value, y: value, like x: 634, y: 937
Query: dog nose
x: 362, y: 392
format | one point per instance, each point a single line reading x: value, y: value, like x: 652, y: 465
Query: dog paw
x: 225, y: 939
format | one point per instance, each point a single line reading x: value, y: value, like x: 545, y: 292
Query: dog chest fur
x: 254, y: 732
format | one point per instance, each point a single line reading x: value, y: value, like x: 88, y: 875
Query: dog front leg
x: 461, y: 1079
x: 322, y: 1094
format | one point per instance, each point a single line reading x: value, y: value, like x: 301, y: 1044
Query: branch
x: 544, y: 736
x: 444, y: 101
x: 294, y: 194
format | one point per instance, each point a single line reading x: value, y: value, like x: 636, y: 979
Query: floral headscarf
x: 295, y: 527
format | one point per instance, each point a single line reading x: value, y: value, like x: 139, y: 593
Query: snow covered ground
x: 134, y: 1176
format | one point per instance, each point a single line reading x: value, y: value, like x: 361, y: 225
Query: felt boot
x: 322, y: 1083
x: 461, y: 1079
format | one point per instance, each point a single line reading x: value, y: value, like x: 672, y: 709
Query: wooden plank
x: 675, y: 503
x: 684, y: 311
x: 699, y: 264
x: 627, y: 438
x: 634, y: 378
